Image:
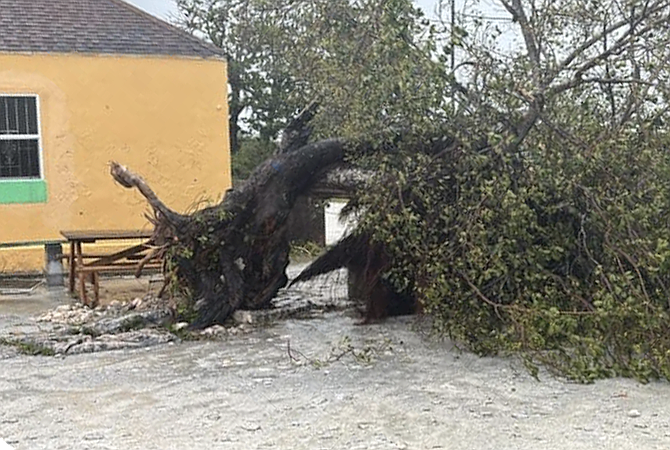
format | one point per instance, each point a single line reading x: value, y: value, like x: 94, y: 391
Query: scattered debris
x: 76, y: 328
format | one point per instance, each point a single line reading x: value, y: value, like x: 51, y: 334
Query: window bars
x: 19, y: 138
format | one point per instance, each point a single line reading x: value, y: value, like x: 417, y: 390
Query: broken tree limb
x: 130, y: 180
x: 297, y: 132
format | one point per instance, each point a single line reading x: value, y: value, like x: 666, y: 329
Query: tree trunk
x: 234, y: 255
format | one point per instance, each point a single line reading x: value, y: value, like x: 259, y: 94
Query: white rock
x: 634, y: 413
x: 180, y: 326
x: 214, y: 330
x: 241, y: 316
x: 136, y: 303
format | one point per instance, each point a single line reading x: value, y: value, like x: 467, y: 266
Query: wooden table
x: 125, y: 260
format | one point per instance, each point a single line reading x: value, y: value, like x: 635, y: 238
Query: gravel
x: 324, y: 382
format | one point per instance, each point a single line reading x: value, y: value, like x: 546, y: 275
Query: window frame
x: 24, y: 137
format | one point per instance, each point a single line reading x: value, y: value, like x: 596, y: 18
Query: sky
x: 159, y: 8
x: 163, y: 8
x: 167, y: 9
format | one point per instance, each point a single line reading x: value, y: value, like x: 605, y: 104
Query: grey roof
x: 92, y: 26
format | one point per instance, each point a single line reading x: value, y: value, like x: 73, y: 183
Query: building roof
x: 92, y: 26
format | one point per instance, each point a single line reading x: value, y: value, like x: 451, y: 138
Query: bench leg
x: 96, y: 288
x: 72, y: 265
x: 82, y: 276
x: 82, y: 289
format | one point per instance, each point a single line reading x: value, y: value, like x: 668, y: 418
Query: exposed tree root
x: 234, y: 255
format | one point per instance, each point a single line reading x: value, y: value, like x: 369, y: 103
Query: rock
x: 131, y: 339
x: 69, y: 314
x: 136, y: 303
x: 242, y: 316
x: 251, y: 427
x: 128, y: 322
x: 180, y: 326
x: 519, y: 416
x: 93, y: 436
x: 214, y: 330
x: 65, y: 347
x: 76, y: 328
x: 634, y: 413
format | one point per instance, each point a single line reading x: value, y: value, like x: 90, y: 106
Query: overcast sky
x: 166, y: 9
x: 163, y: 8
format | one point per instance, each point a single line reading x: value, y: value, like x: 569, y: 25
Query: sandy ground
x: 248, y: 392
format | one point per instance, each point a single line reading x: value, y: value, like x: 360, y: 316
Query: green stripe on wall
x: 23, y: 191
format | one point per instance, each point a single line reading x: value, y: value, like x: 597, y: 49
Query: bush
x: 561, y: 253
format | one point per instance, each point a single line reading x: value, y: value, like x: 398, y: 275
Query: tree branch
x: 130, y: 180
x: 574, y: 140
x: 296, y: 134
x: 597, y: 80
x: 519, y: 15
x: 647, y: 12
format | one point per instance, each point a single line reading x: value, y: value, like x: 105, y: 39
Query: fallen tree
x: 539, y: 226
x: 234, y: 255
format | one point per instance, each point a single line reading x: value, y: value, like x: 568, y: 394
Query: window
x: 19, y: 138
x: 21, y: 176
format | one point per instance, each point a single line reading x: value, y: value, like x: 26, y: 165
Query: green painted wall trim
x: 23, y: 191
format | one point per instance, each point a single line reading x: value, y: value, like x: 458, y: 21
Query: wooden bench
x: 90, y: 265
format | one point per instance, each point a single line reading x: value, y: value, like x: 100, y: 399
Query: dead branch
x: 130, y: 180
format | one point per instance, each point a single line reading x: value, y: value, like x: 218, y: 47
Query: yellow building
x: 84, y: 82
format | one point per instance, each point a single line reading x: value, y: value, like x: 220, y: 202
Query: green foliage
x: 565, y: 261
x: 368, y: 64
x: 542, y: 228
x: 252, y: 152
x: 364, y: 61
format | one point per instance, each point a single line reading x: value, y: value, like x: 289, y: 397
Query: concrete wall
x: 165, y: 118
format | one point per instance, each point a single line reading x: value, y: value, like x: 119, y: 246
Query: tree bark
x: 234, y: 254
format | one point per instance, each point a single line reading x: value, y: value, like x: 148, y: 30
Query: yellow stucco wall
x: 165, y: 118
